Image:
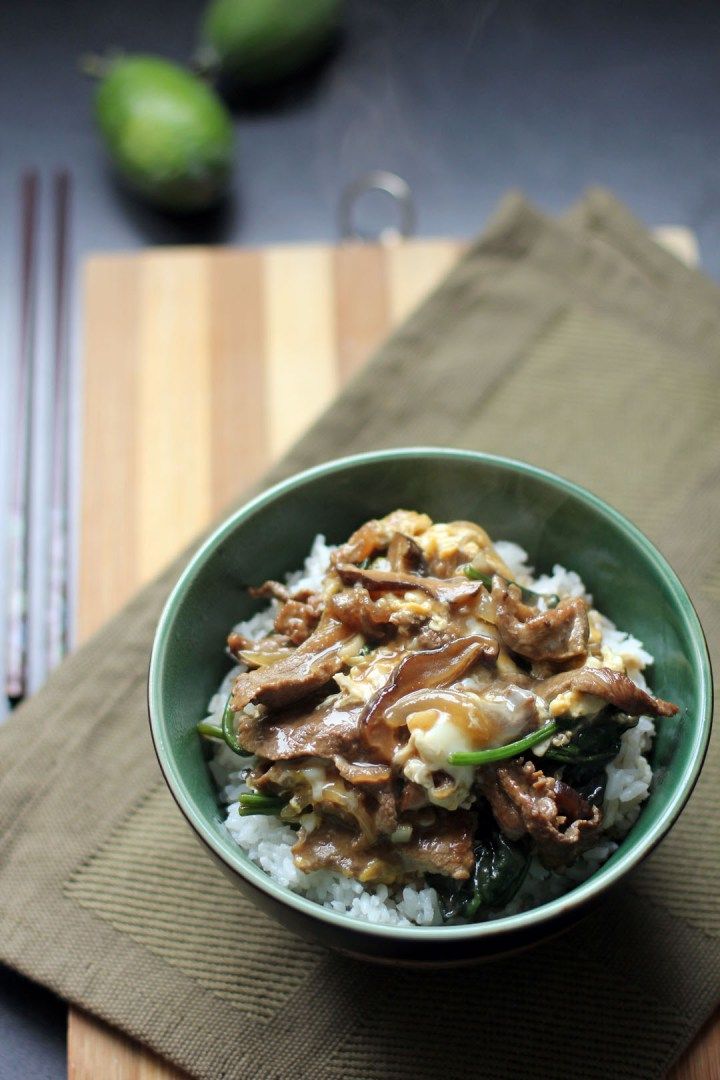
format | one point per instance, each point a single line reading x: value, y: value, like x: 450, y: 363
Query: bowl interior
x: 552, y: 519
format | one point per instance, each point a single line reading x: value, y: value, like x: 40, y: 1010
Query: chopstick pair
x: 24, y: 465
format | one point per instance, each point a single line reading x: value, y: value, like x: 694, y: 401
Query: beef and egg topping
x: 423, y: 715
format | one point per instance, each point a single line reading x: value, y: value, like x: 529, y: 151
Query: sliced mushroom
x: 453, y: 590
x: 405, y: 554
x: 374, y: 536
x: 430, y: 668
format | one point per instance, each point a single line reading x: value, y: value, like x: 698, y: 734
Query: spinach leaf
x: 588, y: 781
x: 592, y: 746
x: 594, y: 743
x: 499, y: 871
x: 500, y: 868
x: 452, y: 895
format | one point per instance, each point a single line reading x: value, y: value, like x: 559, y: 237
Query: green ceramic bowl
x: 556, y: 521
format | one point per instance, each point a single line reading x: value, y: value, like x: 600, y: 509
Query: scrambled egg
x: 445, y: 540
x: 434, y: 736
x: 482, y: 721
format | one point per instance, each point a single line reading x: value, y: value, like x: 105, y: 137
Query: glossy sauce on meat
x: 419, y: 645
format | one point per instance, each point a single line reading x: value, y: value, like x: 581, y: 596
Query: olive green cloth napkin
x: 577, y: 345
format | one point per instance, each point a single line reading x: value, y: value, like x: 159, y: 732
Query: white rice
x: 267, y: 841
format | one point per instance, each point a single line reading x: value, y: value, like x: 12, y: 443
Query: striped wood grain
x: 201, y: 367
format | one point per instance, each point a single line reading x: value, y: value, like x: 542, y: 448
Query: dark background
x: 463, y: 98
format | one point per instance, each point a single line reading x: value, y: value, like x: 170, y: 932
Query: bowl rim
x: 578, y: 897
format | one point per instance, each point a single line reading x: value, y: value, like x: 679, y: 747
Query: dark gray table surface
x: 463, y: 98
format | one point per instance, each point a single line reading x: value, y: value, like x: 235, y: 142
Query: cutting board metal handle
x: 379, y: 180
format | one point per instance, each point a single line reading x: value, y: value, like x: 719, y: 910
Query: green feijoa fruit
x: 255, y: 43
x: 168, y: 133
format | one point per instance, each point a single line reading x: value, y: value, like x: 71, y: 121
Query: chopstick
x: 16, y: 658
x: 57, y: 611
x: 32, y: 649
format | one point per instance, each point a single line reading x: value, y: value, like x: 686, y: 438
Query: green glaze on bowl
x: 556, y: 521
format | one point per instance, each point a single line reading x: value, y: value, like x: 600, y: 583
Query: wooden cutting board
x: 201, y: 366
